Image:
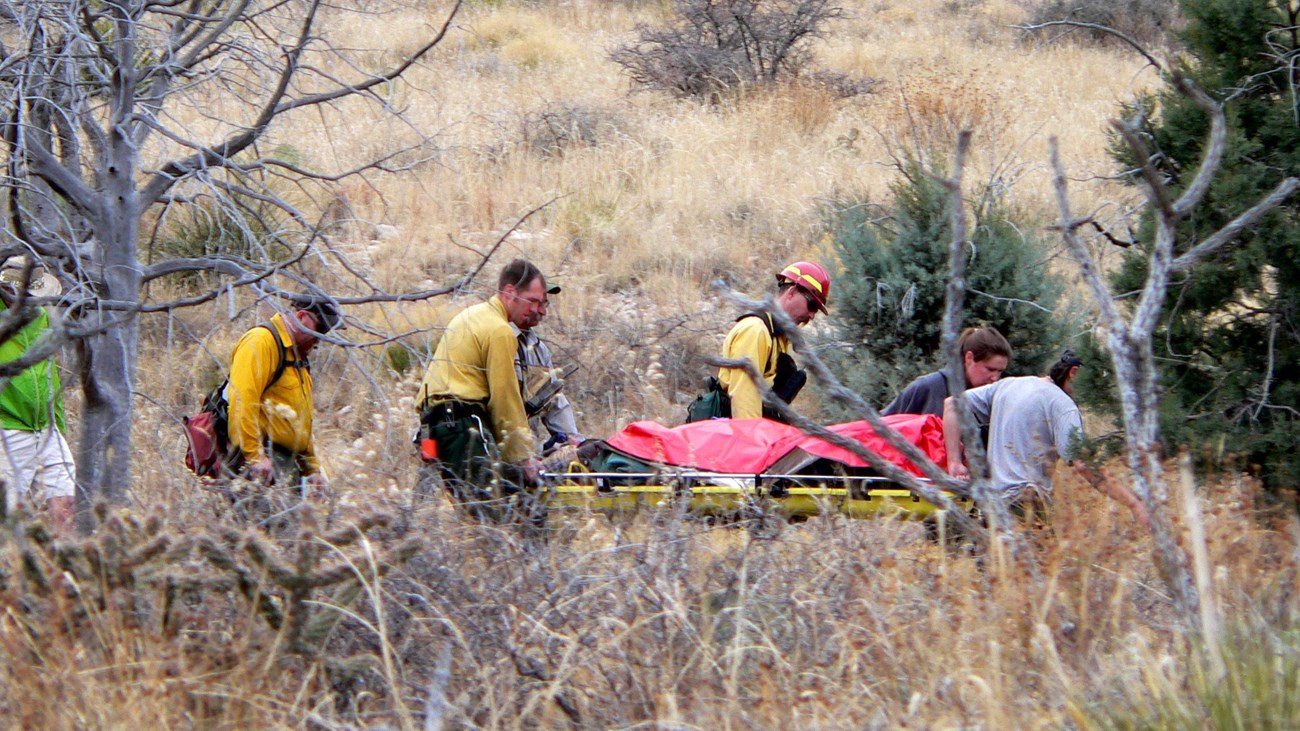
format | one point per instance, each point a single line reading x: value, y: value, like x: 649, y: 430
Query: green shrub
x: 398, y: 357
x: 888, y: 297
x: 237, y: 226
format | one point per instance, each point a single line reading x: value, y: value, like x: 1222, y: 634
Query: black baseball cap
x: 322, y: 308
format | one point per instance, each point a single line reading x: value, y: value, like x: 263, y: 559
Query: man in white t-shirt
x: 1033, y: 421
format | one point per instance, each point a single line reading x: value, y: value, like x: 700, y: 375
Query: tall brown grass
x: 653, y: 620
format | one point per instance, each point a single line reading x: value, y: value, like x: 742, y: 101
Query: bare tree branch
x: 859, y: 408
x: 1082, y: 256
x: 1213, y: 154
x: 1158, y: 193
x: 1098, y: 28
x: 1235, y: 227
x: 988, y: 499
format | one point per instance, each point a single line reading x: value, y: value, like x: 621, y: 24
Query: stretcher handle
x: 695, y: 475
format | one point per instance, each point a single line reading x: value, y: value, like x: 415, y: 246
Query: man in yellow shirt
x: 802, y: 290
x: 472, y: 412
x: 270, y: 395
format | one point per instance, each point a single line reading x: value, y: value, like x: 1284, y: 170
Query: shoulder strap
x: 284, y: 354
x: 767, y: 319
x: 217, y: 400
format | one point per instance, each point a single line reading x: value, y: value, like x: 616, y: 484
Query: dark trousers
x: 468, y: 465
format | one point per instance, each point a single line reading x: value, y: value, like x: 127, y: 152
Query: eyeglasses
x: 539, y: 303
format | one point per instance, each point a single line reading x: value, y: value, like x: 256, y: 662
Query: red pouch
x: 429, y: 450
x: 203, y: 455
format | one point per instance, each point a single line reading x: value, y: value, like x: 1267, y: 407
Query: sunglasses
x: 813, y: 306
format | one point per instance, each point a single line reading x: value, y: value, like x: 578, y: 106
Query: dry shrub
x: 526, y: 38
x: 213, y: 622
x: 711, y: 47
x: 494, y: 29
x: 1148, y: 22
x: 992, y: 22
x: 558, y: 127
x: 839, y: 84
x: 804, y: 107
x: 539, y: 49
x: 934, y: 106
x: 654, y: 618
x: 899, y: 14
x: 640, y: 361
x: 591, y: 220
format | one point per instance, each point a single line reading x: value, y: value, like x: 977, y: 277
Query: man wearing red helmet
x: 802, y: 290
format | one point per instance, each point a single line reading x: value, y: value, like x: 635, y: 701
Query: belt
x: 441, y: 412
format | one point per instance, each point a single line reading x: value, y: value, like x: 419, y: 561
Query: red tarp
x: 750, y: 446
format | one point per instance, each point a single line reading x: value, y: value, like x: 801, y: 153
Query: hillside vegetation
x: 648, y: 199
x: 383, y: 610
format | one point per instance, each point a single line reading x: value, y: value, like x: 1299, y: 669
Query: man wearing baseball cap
x: 1033, y: 422
x: 270, y: 394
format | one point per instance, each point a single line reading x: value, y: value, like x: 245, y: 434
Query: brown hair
x: 520, y: 273
x: 983, y: 343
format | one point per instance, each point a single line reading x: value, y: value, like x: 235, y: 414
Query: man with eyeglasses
x: 473, y: 423
x: 270, y: 395
x: 550, y: 415
x: 802, y: 289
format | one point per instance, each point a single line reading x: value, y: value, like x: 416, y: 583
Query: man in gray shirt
x: 1033, y: 421
x: 533, y: 364
x: 556, y: 414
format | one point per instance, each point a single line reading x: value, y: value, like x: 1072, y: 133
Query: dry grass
x: 655, y: 198
x: 656, y: 621
x: 649, y: 621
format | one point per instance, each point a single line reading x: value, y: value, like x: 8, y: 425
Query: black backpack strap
x: 217, y: 403
x: 216, y: 399
x: 284, y: 355
x: 768, y: 320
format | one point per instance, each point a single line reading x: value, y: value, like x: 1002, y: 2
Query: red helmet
x: 811, y: 278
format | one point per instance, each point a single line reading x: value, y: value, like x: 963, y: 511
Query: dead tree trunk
x: 955, y: 298
x: 82, y: 100
x: 1129, y: 339
x: 107, y: 372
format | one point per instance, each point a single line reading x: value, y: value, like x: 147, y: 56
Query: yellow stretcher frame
x: 799, y: 496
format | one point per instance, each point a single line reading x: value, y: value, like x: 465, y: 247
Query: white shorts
x: 29, y: 459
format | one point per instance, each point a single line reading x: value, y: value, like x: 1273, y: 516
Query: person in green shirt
x: 35, y: 461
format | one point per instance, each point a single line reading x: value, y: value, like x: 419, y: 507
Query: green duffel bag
x: 714, y: 403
